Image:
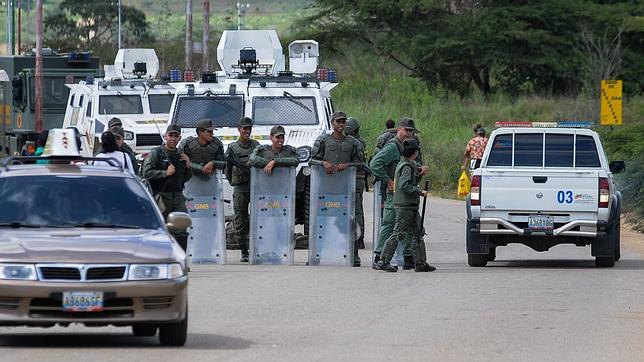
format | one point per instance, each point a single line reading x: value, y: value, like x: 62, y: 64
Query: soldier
x: 111, y: 125
x: 383, y: 166
x: 353, y: 129
x: 238, y: 175
x: 386, y: 135
x: 406, y: 202
x: 277, y: 154
x: 205, y: 151
x: 334, y: 151
x: 167, y: 170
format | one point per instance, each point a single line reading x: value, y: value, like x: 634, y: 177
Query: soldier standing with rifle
x: 334, y: 151
x: 238, y: 175
x: 408, y: 221
x: 277, y: 154
x: 383, y: 166
x: 353, y: 129
x: 167, y: 170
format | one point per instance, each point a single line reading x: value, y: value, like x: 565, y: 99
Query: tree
x: 93, y: 25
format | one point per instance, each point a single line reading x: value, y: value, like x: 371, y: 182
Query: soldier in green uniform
x: 353, y: 129
x: 238, y: 175
x: 205, y: 151
x: 334, y: 151
x: 167, y: 170
x: 277, y: 154
x: 383, y: 166
x: 406, y: 199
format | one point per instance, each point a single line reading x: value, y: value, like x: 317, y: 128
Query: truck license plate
x: 82, y: 301
x: 541, y: 222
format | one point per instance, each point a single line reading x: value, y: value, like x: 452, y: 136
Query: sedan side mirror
x: 178, y: 221
x: 617, y: 166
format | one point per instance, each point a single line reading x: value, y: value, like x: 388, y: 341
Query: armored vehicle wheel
x: 477, y: 259
x: 174, y: 334
x: 144, y: 331
x: 617, y: 236
x: 605, y: 261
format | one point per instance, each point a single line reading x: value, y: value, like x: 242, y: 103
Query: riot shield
x: 207, y: 235
x: 331, y: 234
x: 378, y: 204
x: 272, y: 216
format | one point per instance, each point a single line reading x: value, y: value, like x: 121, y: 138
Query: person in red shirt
x: 475, y: 148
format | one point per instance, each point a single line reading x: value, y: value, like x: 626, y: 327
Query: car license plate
x: 541, y: 222
x: 83, y: 301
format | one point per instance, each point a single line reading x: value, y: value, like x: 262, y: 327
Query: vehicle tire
x: 605, y: 261
x: 303, y: 241
x: 492, y: 254
x: 617, y: 235
x: 477, y: 259
x: 144, y: 331
x: 174, y: 334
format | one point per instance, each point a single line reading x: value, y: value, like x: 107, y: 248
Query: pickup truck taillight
x: 604, y: 192
x: 475, y: 191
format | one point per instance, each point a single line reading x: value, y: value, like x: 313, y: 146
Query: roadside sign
x: 611, y: 102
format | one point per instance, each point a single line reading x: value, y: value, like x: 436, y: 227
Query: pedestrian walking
x: 406, y: 199
x: 238, y: 174
x: 167, y: 169
x: 383, y: 167
x: 475, y: 148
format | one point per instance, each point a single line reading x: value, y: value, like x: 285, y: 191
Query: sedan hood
x: 88, y: 245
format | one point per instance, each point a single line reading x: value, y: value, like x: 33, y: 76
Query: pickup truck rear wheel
x: 617, y: 236
x: 477, y: 259
x: 492, y: 254
x: 605, y: 261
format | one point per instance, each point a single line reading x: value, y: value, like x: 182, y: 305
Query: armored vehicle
x: 253, y: 82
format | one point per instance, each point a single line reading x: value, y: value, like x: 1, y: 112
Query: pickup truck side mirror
x: 617, y: 166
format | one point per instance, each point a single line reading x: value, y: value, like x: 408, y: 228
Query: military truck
x: 253, y: 82
x: 18, y: 119
x: 129, y: 91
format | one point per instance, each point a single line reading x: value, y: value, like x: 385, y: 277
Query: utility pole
x: 10, y: 28
x: 188, y: 34
x: 241, y: 10
x: 119, y: 24
x: 206, y: 36
x: 19, y: 26
x: 38, y: 65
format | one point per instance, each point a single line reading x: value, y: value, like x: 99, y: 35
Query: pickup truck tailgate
x: 539, y: 190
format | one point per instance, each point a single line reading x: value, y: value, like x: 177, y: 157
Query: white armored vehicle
x: 129, y: 92
x: 253, y: 82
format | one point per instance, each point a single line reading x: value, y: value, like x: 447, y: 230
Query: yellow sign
x: 611, y: 102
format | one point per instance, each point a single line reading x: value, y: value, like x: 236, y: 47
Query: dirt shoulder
x: 632, y: 239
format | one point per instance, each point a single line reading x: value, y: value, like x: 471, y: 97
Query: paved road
x: 525, y: 306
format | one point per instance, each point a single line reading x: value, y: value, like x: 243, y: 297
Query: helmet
x: 352, y: 126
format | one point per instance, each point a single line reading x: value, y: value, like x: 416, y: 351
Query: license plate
x: 83, y: 301
x: 541, y: 222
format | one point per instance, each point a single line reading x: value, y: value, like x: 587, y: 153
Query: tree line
x: 544, y: 47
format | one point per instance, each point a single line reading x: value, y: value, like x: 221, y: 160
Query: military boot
x: 408, y: 263
x: 381, y: 265
x: 244, y: 256
x: 376, y: 259
x: 424, y: 268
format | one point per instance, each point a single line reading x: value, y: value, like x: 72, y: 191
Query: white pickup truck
x: 543, y: 187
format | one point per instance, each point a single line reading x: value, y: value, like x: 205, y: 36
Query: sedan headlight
x: 128, y: 136
x: 155, y: 271
x: 304, y: 153
x: 18, y: 271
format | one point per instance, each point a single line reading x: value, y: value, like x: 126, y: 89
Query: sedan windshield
x: 75, y: 201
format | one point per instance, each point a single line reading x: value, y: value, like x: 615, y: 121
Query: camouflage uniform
x: 200, y: 154
x: 264, y: 154
x: 353, y: 129
x: 336, y: 151
x: 170, y: 188
x: 240, y: 180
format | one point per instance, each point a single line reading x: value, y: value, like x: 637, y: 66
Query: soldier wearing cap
x: 167, y: 170
x: 408, y: 221
x: 205, y: 151
x: 277, y: 154
x: 335, y: 151
x: 238, y: 174
x: 353, y: 129
x: 383, y: 166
